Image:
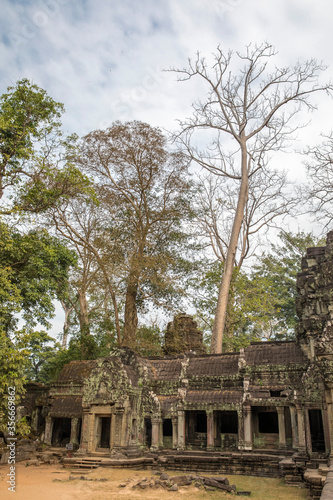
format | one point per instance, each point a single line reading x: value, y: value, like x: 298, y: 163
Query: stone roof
x: 166, y: 369
x: 66, y: 406
x: 76, y: 371
x: 274, y: 353
x: 216, y: 365
x: 217, y: 396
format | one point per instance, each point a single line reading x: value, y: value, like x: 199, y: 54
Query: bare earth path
x: 51, y: 482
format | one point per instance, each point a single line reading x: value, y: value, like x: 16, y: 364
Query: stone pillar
x: 174, y: 432
x: 74, y: 431
x: 329, y: 401
x: 301, y: 429
x: 181, y: 429
x: 48, y: 431
x: 247, y: 428
x: 160, y: 434
x: 294, y: 430
x: 84, y: 431
x: 210, y: 429
x: 240, y: 429
x: 155, y: 428
x: 282, y: 427
x: 326, y: 429
x: 118, y: 438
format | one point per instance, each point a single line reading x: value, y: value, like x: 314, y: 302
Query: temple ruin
x: 266, y: 410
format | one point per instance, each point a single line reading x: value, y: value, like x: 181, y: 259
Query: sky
x: 106, y: 60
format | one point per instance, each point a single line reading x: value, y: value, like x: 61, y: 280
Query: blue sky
x: 105, y: 59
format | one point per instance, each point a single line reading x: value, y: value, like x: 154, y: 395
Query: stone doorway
x: 226, y: 429
x: 196, y: 429
x: 167, y: 433
x: 104, y: 427
x: 148, y: 430
x: 61, y: 431
x: 317, y: 431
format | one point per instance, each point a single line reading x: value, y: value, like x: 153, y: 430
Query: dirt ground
x: 51, y: 482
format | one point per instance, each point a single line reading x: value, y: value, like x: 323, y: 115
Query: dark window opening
x: 167, y: 427
x: 61, y: 431
x: 268, y: 422
x: 229, y: 422
x: 105, y: 432
x: 275, y: 394
x: 201, y: 422
x: 148, y: 431
x: 317, y: 431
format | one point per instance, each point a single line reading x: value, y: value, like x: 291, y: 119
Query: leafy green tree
x: 36, y: 161
x: 35, y: 267
x: 280, y: 267
x: 250, y: 314
x: 13, y: 360
x: 41, y: 348
x: 137, y: 235
x: 262, y: 302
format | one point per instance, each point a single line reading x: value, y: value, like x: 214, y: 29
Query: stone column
x: 282, y: 427
x: 155, y: 428
x: 329, y: 401
x: 294, y: 430
x: 174, y: 432
x: 74, y: 431
x: 247, y: 428
x: 84, y: 431
x: 240, y: 429
x: 48, y: 431
x: 210, y: 429
x: 118, y: 438
x: 181, y: 429
x: 301, y: 429
x: 326, y: 429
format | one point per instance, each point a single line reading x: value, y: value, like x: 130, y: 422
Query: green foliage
x: 13, y: 360
x: 249, y: 307
x: 81, y: 347
x: 40, y: 348
x: 34, y: 270
x: 280, y: 267
x: 261, y: 304
x: 149, y: 341
x: 36, y: 161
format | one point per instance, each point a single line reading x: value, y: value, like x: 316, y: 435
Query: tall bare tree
x: 320, y: 173
x: 247, y: 114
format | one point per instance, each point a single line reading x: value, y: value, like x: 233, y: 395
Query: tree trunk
x: 68, y: 309
x: 83, y: 313
x: 222, y: 302
x: 130, y: 317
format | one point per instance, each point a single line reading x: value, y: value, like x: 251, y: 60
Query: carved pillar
x: 48, y: 430
x: 282, y: 427
x: 181, y: 429
x: 84, y: 431
x: 294, y: 430
x: 174, y: 432
x: 155, y: 424
x: 329, y: 401
x: 326, y: 429
x: 240, y: 416
x: 210, y: 429
x: 247, y: 428
x: 301, y: 429
x: 74, y: 431
x: 118, y: 437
